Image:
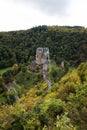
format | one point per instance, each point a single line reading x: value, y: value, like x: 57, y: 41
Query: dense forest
x: 65, y: 43
x: 33, y: 107
x: 26, y: 103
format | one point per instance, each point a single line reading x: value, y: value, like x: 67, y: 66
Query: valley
x: 52, y: 98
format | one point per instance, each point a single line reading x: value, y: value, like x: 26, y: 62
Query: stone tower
x: 42, y: 55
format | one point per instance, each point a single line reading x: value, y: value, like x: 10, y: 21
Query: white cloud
x: 50, y: 7
x: 77, y: 12
x: 24, y: 14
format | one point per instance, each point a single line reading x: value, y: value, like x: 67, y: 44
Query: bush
x: 1, y: 85
x: 65, y: 90
x: 82, y: 71
x: 63, y: 123
x: 53, y: 106
x: 8, y: 76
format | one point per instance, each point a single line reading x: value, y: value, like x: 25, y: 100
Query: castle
x: 42, y: 57
x: 41, y: 64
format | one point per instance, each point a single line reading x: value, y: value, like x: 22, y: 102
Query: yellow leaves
x: 50, y: 95
x: 30, y: 99
x: 71, y: 77
x: 44, y: 86
x: 5, y: 113
x: 75, y: 77
x: 66, y: 89
x: 65, y: 78
x: 37, y: 90
x: 31, y: 103
x: 19, y: 108
x: 32, y: 92
x: 68, y: 84
x: 15, y: 66
x: 15, y: 69
x: 82, y: 71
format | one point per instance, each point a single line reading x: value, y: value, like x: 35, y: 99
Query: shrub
x: 8, y: 76
x: 53, y: 106
x: 65, y: 90
x: 82, y: 71
x: 1, y: 85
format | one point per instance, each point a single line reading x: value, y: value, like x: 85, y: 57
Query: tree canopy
x: 68, y: 43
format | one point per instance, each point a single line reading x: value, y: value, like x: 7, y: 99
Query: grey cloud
x: 52, y: 7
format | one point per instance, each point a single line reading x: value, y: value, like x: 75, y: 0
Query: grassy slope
x: 22, y: 82
x: 4, y: 70
x: 55, y: 72
x: 27, y: 79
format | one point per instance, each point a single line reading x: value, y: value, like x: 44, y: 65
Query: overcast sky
x: 25, y: 14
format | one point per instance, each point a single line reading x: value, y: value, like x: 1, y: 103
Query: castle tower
x: 42, y: 55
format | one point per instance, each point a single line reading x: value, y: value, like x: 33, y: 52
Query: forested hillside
x: 66, y: 43
x: 63, y: 107
x: 26, y: 100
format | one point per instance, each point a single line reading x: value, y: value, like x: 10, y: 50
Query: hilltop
x: 66, y: 43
